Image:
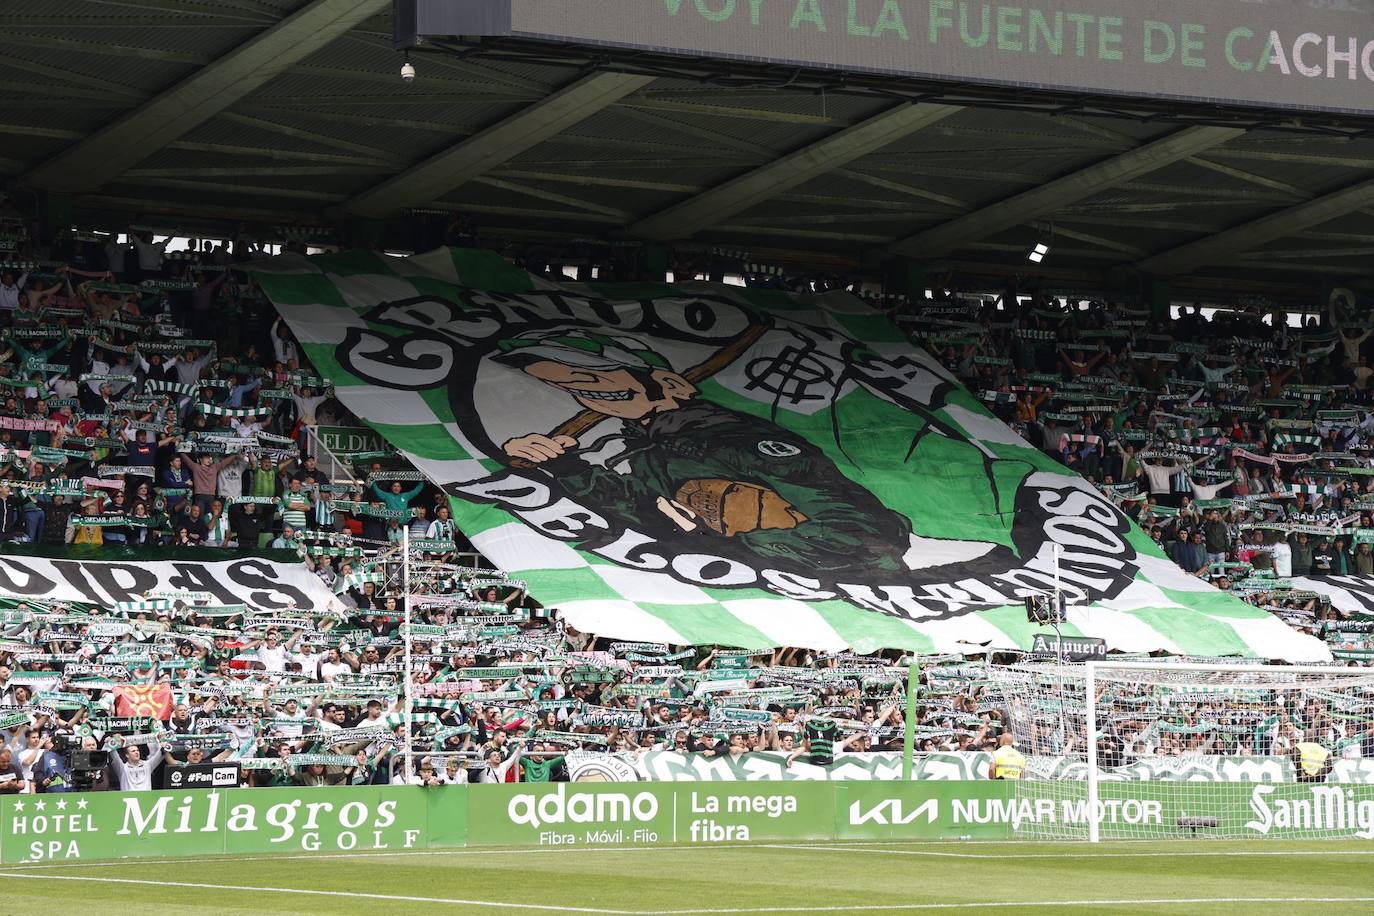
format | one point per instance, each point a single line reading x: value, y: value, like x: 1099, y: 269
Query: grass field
x: 1171, y: 878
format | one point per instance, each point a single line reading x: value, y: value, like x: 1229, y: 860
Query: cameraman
x: 87, y: 768
x: 50, y: 770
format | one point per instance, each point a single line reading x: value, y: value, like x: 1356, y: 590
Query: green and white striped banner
x: 727, y: 466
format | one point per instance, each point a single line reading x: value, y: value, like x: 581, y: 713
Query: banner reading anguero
x: 730, y: 466
x: 261, y: 583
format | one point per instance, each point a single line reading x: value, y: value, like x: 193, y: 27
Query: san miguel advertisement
x: 1310, y: 54
x: 73, y: 827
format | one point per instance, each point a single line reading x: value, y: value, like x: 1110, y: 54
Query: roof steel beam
x: 428, y: 181
x: 132, y: 138
x: 1251, y: 235
x: 739, y: 194
x: 1051, y: 196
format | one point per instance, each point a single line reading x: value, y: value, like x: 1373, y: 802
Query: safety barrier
x: 111, y: 825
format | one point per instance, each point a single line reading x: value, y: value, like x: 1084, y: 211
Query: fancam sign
x: 1268, y: 53
x: 203, y: 776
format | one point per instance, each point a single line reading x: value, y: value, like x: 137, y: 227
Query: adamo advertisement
x: 568, y: 814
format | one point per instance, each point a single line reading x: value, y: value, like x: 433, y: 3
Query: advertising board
x: 66, y: 827
x: 1299, y: 54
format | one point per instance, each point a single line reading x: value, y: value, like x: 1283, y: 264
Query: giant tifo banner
x: 260, y: 583
x: 1306, y: 54
x: 1353, y: 595
x: 65, y: 827
x: 726, y: 466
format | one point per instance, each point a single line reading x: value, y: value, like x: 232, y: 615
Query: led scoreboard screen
x: 1315, y: 55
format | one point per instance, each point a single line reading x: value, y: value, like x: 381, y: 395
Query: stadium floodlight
x: 1037, y: 254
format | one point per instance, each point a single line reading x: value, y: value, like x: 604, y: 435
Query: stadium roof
x: 292, y: 112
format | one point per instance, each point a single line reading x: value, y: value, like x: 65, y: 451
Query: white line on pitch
x: 1079, y: 853
x: 318, y: 893
x: 1003, y: 904
x: 378, y: 854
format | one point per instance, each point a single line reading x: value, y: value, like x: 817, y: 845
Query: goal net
x: 1160, y: 750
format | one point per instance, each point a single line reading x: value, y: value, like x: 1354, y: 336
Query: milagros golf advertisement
x: 107, y: 825
x: 718, y: 465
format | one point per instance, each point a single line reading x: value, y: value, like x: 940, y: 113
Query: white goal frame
x: 1090, y: 699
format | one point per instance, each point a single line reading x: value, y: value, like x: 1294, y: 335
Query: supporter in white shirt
x: 187, y: 368
x: 135, y: 774
x: 9, y: 290
x: 334, y: 665
x: 333, y: 717
x: 230, y: 481
x: 283, y: 347
x: 1283, y: 558
x: 34, y: 747
x: 150, y: 252
x: 442, y: 528
x: 425, y: 775
x: 495, y: 770
x: 271, y: 654
x: 454, y: 773
x: 306, y: 405
x: 308, y: 660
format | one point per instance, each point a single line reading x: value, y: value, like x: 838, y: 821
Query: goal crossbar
x: 1085, y: 681
x: 1340, y: 670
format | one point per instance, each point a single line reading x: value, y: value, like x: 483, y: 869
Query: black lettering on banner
x: 511, y: 490
x: 30, y: 582
x: 564, y: 519
x: 107, y: 576
x: 632, y: 549
x: 75, y: 574
x: 1361, y: 588
x: 412, y: 362
x: 1098, y: 560
x: 194, y: 577
x: 259, y: 574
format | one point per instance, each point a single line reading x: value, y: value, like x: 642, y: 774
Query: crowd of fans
x: 1240, y: 442
x: 155, y: 399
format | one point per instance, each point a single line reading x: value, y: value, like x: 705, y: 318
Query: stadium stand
x: 157, y: 400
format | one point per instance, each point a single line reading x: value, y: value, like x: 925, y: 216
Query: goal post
x: 1162, y: 749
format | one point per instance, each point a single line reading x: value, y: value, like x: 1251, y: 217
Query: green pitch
x: 1178, y: 877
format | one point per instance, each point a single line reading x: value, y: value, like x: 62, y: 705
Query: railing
x: 337, y: 469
